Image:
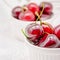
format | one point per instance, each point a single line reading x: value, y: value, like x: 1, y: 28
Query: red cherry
x: 46, y: 16
x: 58, y: 46
x: 47, y: 28
x: 33, y: 7
x: 27, y: 16
x: 47, y: 7
x: 16, y: 11
x: 51, y: 41
x: 34, y: 31
x: 57, y: 31
x: 42, y: 39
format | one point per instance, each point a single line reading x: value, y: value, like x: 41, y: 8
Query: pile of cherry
x: 28, y: 12
x: 43, y: 34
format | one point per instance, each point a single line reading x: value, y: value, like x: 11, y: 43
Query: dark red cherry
x: 46, y: 16
x: 16, y: 11
x: 47, y: 7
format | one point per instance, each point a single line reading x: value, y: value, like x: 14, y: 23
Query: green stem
x: 24, y: 33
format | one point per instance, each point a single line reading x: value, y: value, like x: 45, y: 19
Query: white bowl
x: 39, y: 53
x: 36, y: 53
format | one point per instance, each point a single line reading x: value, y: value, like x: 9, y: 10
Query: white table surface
x: 13, y: 48
x: 10, y: 48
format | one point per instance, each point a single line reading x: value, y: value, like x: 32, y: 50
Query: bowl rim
x: 46, y: 49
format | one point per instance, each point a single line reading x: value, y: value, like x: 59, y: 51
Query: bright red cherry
x: 51, y: 41
x: 33, y: 7
x: 57, y: 31
x: 47, y: 28
x: 47, y: 7
x: 34, y: 31
x: 16, y: 11
x: 27, y: 16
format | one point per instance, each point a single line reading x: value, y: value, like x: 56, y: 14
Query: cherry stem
x: 24, y: 33
x: 24, y: 8
x: 42, y: 9
x: 39, y: 16
x: 41, y: 13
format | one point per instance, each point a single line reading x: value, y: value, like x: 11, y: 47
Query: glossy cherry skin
x: 34, y: 31
x: 16, y: 11
x: 57, y: 31
x: 50, y: 41
x: 46, y: 16
x: 42, y: 39
x: 47, y: 28
x: 33, y: 7
x: 47, y: 7
x: 27, y: 16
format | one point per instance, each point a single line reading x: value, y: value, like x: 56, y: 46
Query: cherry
x: 42, y: 39
x: 27, y: 16
x: 46, y: 16
x: 33, y: 7
x: 57, y: 31
x: 51, y: 41
x: 16, y: 11
x: 47, y: 28
x: 47, y: 8
x: 58, y: 46
x: 34, y: 31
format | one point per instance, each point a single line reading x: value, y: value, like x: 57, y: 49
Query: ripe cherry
x: 57, y: 31
x: 51, y: 41
x: 47, y: 8
x: 34, y: 31
x: 33, y: 7
x: 16, y: 11
x: 47, y: 28
x: 42, y: 39
x: 27, y: 16
x: 46, y: 16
